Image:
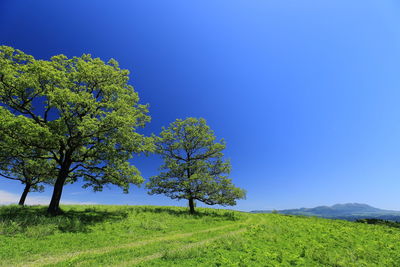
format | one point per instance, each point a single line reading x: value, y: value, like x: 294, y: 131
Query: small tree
x: 193, y: 167
x: 16, y: 163
x: 32, y: 173
x: 80, y: 112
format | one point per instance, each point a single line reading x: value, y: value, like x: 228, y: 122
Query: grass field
x: 169, y: 236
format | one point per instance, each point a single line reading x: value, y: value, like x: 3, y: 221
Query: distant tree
x: 32, y: 173
x: 26, y: 166
x: 193, y: 167
x: 80, y: 112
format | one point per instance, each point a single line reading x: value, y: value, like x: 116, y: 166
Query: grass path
x: 54, y: 259
x: 169, y: 236
x: 186, y: 247
x: 159, y: 255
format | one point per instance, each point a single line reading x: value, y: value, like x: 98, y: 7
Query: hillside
x: 169, y: 236
x: 349, y: 211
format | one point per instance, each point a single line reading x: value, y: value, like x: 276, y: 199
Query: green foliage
x: 169, y: 236
x: 28, y: 165
x: 279, y: 240
x: 379, y: 222
x: 28, y: 233
x: 80, y: 113
x: 193, y: 167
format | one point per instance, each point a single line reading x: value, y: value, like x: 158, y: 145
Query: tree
x: 80, y: 112
x: 193, y: 167
x: 16, y: 164
x: 32, y: 173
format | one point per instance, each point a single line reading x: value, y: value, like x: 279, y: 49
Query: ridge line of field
x: 185, y: 247
x: 64, y: 256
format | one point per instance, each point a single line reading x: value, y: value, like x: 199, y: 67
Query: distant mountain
x: 349, y: 211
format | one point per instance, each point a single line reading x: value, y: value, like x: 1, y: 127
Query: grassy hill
x: 168, y: 236
x: 349, y: 211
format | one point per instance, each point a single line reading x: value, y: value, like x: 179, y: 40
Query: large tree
x: 80, y: 112
x: 193, y: 167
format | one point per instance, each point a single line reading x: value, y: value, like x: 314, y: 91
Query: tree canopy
x: 193, y: 167
x: 81, y: 114
x: 25, y: 166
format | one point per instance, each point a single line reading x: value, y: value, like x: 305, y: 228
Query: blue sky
x: 306, y: 93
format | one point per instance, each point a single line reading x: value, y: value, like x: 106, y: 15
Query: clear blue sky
x: 306, y: 93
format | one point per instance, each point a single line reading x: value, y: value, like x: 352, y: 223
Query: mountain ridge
x: 346, y: 211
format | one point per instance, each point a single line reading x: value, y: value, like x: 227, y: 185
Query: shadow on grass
x: 15, y: 219
x: 33, y: 221
x: 394, y: 224
x: 200, y: 213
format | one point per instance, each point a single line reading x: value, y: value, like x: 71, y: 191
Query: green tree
x: 193, y: 167
x: 81, y: 112
x: 26, y: 166
x: 32, y: 173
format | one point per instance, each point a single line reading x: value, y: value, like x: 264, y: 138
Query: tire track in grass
x: 54, y: 259
x: 159, y: 255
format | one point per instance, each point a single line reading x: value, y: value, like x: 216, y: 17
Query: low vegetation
x: 170, y: 236
x: 380, y: 222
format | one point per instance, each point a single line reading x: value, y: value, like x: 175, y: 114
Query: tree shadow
x: 199, y: 214
x: 34, y: 219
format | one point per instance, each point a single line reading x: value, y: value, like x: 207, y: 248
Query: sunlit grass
x: 169, y: 236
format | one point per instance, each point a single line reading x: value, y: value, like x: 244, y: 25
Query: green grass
x: 169, y: 236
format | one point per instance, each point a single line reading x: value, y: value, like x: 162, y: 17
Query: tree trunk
x: 54, y: 207
x: 24, y: 194
x: 191, y: 205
